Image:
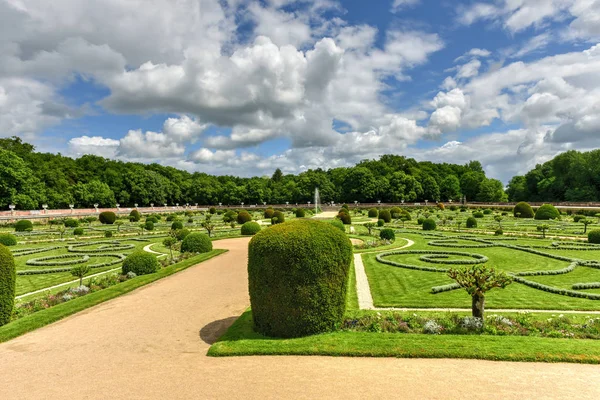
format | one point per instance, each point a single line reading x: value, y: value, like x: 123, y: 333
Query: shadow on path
x: 213, y: 331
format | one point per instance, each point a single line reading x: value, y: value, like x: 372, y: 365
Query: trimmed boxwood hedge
x: 250, y: 228
x: 387, y: 234
x: 429, y: 225
x: 149, y: 226
x: 23, y: 225
x: 196, y: 243
x: 344, y: 217
x: 78, y: 231
x: 298, y: 272
x: 107, y: 217
x: 141, y: 263
x: 338, y: 224
x: 269, y: 213
x: 135, y: 216
x: 7, y: 239
x: 119, y: 258
x: 478, y: 214
x: 8, y: 279
x: 445, y: 288
x: 212, y: 210
x: 176, y: 225
x: 385, y: 216
x: 300, y: 213
x: 71, y: 223
x: 278, y: 218
x: 373, y: 213
x: 471, y: 222
x: 380, y: 223
x: 229, y: 216
x: 547, y: 212
x: 594, y: 237
x: 523, y: 210
x: 243, y: 217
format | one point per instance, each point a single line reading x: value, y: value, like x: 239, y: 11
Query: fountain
x: 317, y: 200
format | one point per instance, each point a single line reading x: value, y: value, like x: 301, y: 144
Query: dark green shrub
x: 478, y: 214
x: 387, y: 234
x: 380, y: 223
x: 135, y: 216
x: 8, y: 279
x: 149, y: 226
x: 300, y: 213
x: 250, y: 228
x: 229, y: 216
x: 180, y: 234
x: 141, y: 263
x: 338, y: 224
x: 487, y: 211
x: 196, y: 243
x: 71, y: 223
x: 546, y: 212
x: 278, y: 218
x: 344, y: 217
x: 212, y: 210
x: 24, y: 225
x: 499, y: 232
x: 269, y: 213
x: 594, y: 236
x: 107, y: 217
x: 171, y: 218
x: 385, y: 215
x: 176, y: 225
x: 7, y: 239
x: 190, y: 220
x: 429, y: 225
x: 152, y: 219
x: 420, y: 220
x: 346, y: 207
x: 471, y: 222
x: 78, y: 231
x: 298, y: 272
x: 243, y: 217
x: 578, y: 218
x: 523, y: 210
x: 108, y: 234
x: 373, y: 213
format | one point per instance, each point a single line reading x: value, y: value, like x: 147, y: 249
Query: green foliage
x: 135, y: 216
x: 338, y: 224
x: 243, y: 217
x: 23, y: 225
x: 196, y: 243
x: 344, y: 217
x: 141, y: 263
x: 250, y: 228
x: 278, y: 218
x: 269, y: 213
x: 547, y: 212
x: 229, y: 216
x: 387, y: 234
x: 499, y: 232
x: 471, y: 222
x: 297, y: 275
x: 152, y: 219
x: 420, y: 220
x: 8, y: 278
x: 594, y: 237
x: 385, y: 215
x: 80, y: 271
x: 212, y: 210
x: 71, y: 223
x: 429, y: 225
x: 149, y: 226
x: 7, y: 239
x: 478, y: 214
x: 373, y: 213
x: 78, y: 231
x: 523, y: 210
x: 380, y: 223
x: 487, y: 211
x: 171, y: 218
x: 107, y: 217
x: 176, y: 225
x: 180, y: 234
x: 108, y: 234
x: 300, y: 213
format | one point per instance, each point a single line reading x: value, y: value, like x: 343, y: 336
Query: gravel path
x: 149, y: 250
x: 152, y: 343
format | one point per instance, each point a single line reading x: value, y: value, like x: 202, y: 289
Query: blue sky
x: 243, y: 87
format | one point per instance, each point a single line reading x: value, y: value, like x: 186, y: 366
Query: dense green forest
x: 29, y: 179
x: 571, y: 176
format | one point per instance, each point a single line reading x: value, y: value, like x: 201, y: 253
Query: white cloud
x: 399, y: 5
x: 469, y: 69
x: 96, y: 145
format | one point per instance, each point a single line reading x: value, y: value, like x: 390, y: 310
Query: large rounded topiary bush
x: 71, y: 223
x: 546, y: 212
x: 196, y: 243
x: 471, y: 222
x: 300, y: 213
x: 387, y: 234
x: 24, y: 225
x: 373, y: 213
x: 523, y: 210
x: 8, y: 278
x: 141, y: 263
x: 7, y: 239
x: 135, y: 216
x: 344, y: 217
x: 594, y: 237
x: 176, y: 225
x: 278, y: 218
x: 429, y: 225
x: 243, y: 217
x: 107, y: 217
x: 269, y: 213
x: 297, y: 275
x: 250, y: 228
x: 385, y: 216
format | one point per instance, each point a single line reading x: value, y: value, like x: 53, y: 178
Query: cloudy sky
x: 243, y: 87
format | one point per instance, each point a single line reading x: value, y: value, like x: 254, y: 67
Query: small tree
x: 62, y: 230
x: 404, y: 218
x: 118, y: 224
x: 169, y: 243
x: 498, y: 219
x: 370, y: 226
x: 585, y: 223
x: 208, y: 224
x: 459, y: 223
x: 543, y: 229
x: 477, y: 280
x: 79, y: 272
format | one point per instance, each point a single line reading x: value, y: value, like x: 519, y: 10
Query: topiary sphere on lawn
x: 107, y: 217
x: 229, y: 216
x: 8, y: 279
x: 523, y: 210
x: 141, y: 263
x: 471, y: 222
x: 108, y: 234
x: 269, y: 213
x: 243, y: 217
x: 180, y: 234
x: 176, y: 225
x: 429, y: 225
x: 212, y: 210
x: 300, y: 213
x: 420, y: 220
x: 373, y: 213
x: 380, y: 223
x: 478, y: 214
x: 7, y: 239
x: 149, y: 226
x: 344, y: 217
x: 278, y: 218
x: 71, y: 223
x: 297, y: 273
x: 338, y: 224
x: 152, y: 219
x: 547, y: 212
x: 135, y: 216
x: 24, y: 225
x: 78, y: 231
x: 387, y: 234
x: 250, y: 228
x: 385, y: 216
x: 594, y: 236
x: 196, y: 243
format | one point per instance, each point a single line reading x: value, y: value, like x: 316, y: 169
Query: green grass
x: 45, y: 317
x: 241, y: 340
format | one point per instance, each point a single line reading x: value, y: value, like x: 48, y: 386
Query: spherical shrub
x: 373, y: 213
x: 499, y: 232
x: 140, y: 263
x: 8, y: 279
x: 278, y: 218
x: 108, y: 234
x: 152, y: 219
x: 300, y: 213
x: 346, y: 207
x: 344, y: 217
x: 269, y: 213
x: 429, y: 225
x: 578, y: 218
x: 594, y: 236
x: 190, y: 220
x: 380, y: 223
x: 420, y: 220
x: 24, y: 225
x: 250, y: 228
x: 135, y: 216
x: 196, y: 243
x: 546, y: 212
x: 71, y: 223
x: 176, y: 225
x: 107, y: 217
x: 149, y: 226
x: 180, y: 234
x: 229, y: 216
x: 487, y: 211
x: 243, y: 217
x: 385, y: 215
x: 478, y: 214
x: 7, y: 239
x: 171, y: 218
x: 523, y: 210
x: 78, y: 231
x: 387, y: 234
x: 298, y: 275
x: 395, y: 212
x: 441, y: 206
x: 212, y: 210
x: 338, y: 224
x: 471, y: 222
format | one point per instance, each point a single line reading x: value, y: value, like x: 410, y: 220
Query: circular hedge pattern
x: 70, y: 259
x: 443, y: 258
x: 7, y: 239
x: 196, y: 243
x: 298, y: 272
x: 8, y: 279
x: 105, y: 246
x: 141, y: 263
x: 250, y: 228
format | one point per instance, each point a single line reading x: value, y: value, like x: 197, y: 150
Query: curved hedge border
x: 47, y: 261
x: 455, y: 243
x: 441, y: 258
x: 28, y: 251
x: 445, y: 288
x: 107, y: 245
x: 379, y: 257
x: 591, y: 285
x: 120, y: 258
x: 565, y: 270
x: 550, y: 289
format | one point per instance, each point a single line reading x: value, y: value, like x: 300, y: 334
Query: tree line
x: 29, y: 179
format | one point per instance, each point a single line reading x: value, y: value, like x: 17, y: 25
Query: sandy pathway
x: 151, y: 344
